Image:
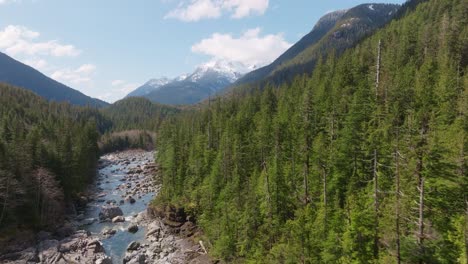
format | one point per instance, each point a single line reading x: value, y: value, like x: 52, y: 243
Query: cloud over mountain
x: 251, y: 48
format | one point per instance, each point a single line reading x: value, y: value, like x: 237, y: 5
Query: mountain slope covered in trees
x: 334, y: 32
x: 18, y: 74
x: 137, y: 113
x: 48, y: 153
x: 363, y: 162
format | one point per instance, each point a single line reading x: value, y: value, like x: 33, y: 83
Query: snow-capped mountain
x: 227, y: 69
x: 206, y: 80
x: 148, y: 87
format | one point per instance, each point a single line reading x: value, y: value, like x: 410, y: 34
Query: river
x: 120, y: 176
x: 111, y: 223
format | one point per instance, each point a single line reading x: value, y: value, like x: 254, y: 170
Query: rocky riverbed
x: 111, y: 223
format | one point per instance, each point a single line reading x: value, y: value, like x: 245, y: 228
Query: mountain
x: 149, y: 86
x: 137, y: 113
x: 206, y: 80
x: 336, y: 31
x: 16, y: 73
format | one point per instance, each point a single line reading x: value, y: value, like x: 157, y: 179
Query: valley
x: 345, y: 144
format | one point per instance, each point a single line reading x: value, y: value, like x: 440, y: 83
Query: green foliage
x: 137, y: 113
x: 129, y: 139
x: 48, y: 153
x: 323, y: 169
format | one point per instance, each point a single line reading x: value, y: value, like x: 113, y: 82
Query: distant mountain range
x: 207, y: 79
x: 16, y: 73
x: 336, y: 31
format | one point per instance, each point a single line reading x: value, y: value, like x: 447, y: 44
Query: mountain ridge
x: 206, y: 80
x: 336, y: 30
x: 16, y: 73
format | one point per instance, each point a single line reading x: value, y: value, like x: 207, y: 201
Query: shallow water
x: 109, y: 179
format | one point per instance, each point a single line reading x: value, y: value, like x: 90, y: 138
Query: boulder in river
x: 133, y: 246
x: 130, y: 199
x: 111, y: 202
x: 109, y: 232
x: 133, y: 229
x: 109, y: 212
x: 118, y: 219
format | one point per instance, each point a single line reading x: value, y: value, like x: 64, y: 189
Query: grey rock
x: 111, y: 202
x: 109, y: 212
x: 95, y: 246
x: 104, y: 260
x: 109, y: 232
x: 133, y: 229
x: 133, y: 246
x: 118, y: 219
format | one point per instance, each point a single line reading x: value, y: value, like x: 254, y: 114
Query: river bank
x: 111, y: 224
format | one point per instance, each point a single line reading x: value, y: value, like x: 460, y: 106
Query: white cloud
x: 19, y: 40
x: 38, y: 64
x: 86, y: 69
x: 243, y: 8
x: 77, y: 76
x: 196, y: 10
x: 120, y: 89
x: 7, y: 1
x: 117, y: 82
x: 250, y: 48
x: 128, y: 87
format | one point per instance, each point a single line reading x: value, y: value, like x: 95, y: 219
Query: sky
x: 107, y: 48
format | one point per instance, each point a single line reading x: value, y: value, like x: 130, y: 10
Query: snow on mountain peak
x: 230, y: 69
x: 181, y: 77
x: 158, y: 82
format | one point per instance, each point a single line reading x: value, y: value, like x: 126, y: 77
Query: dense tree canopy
x: 137, y: 113
x: 364, y: 161
x: 48, y: 153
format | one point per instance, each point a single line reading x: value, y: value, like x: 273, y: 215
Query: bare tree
x: 51, y: 202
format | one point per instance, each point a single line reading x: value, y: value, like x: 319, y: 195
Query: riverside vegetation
x: 361, y: 161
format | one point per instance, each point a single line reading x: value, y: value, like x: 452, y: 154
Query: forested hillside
x: 48, y: 153
x: 334, y: 32
x: 137, y: 113
x: 364, y: 161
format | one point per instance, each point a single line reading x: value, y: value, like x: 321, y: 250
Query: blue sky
x: 106, y: 48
